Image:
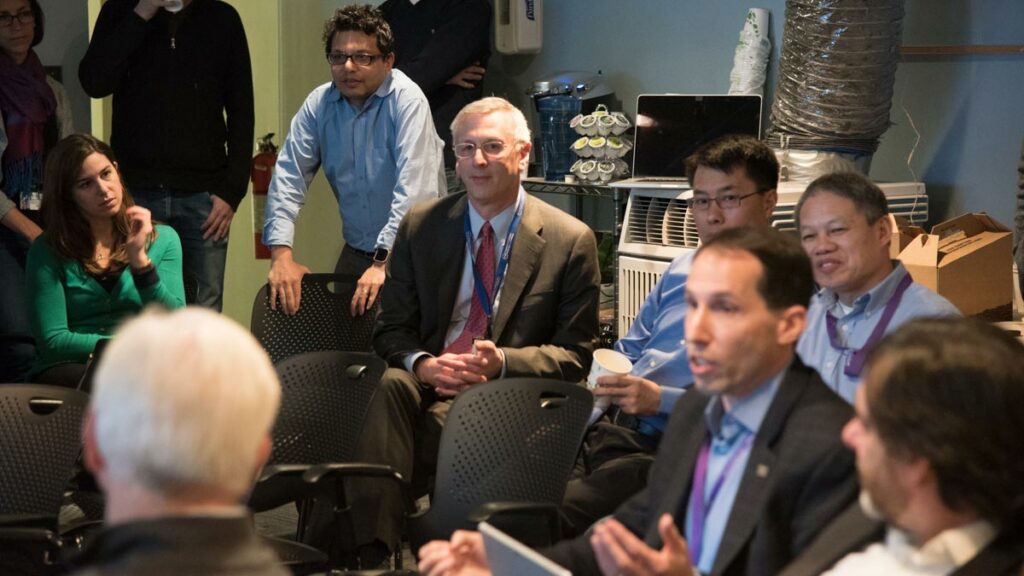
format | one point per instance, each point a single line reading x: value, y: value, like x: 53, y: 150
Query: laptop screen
x: 669, y: 127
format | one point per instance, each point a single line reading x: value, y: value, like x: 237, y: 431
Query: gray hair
x: 490, y: 105
x: 184, y: 399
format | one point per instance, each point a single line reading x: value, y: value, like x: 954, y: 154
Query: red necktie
x: 476, y: 325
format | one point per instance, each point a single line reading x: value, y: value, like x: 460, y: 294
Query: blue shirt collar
x: 874, y: 299
x: 748, y: 411
x: 499, y: 223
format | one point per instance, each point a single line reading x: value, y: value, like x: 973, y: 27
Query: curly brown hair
x: 360, y: 18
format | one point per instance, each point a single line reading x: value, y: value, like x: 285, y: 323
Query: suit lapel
x: 526, y: 252
x: 851, y: 532
x: 449, y: 252
x: 757, y: 477
x: 1002, y: 556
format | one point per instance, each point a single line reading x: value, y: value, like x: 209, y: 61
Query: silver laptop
x: 507, y: 556
x: 669, y: 127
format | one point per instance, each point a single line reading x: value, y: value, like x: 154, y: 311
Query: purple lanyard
x: 855, y: 364
x: 700, y: 506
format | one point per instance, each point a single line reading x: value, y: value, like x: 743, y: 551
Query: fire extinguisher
x: 260, y: 174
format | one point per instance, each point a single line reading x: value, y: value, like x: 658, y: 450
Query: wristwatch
x: 381, y: 255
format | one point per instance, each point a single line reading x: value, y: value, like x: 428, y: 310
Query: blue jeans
x: 203, y: 260
x: 16, y: 348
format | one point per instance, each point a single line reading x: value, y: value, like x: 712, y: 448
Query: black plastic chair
x: 506, y: 452
x: 40, y: 430
x: 323, y: 321
x: 324, y: 400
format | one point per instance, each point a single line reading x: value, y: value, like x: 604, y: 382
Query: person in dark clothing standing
x: 182, y: 118
x: 443, y: 45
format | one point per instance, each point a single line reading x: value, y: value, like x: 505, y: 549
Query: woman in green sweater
x: 99, y: 260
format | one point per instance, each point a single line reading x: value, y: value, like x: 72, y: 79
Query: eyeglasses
x: 725, y: 201
x: 491, y: 148
x: 364, y: 60
x: 23, y: 17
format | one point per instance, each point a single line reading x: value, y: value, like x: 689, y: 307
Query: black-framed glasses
x: 725, y: 201
x: 491, y: 148
x: 24, y: 17
x: 360, y: 59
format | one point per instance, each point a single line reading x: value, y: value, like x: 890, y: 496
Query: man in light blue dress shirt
x: 371, y: 131
x: 733, y: 180
x: 864, y: 295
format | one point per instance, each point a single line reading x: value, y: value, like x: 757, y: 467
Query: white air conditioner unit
x: 658, y: 227
x: 906, y: 199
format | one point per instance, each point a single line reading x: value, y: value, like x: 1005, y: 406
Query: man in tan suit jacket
x: 455, y: 315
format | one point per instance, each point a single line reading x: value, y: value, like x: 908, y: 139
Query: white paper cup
x: 174, y: 5
x: 607, y: 362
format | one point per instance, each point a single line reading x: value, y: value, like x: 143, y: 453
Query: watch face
x: 381, y: 255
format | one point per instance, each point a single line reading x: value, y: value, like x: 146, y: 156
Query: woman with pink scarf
x: 34, y: 116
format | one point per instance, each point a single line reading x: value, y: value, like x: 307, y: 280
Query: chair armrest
x: 21, y: 534
x: 500, y: 513
x: 322, y: 472
x: 282, y: 471
x: 27, y: 521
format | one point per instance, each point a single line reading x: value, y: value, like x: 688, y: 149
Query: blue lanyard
x: 499, y: 270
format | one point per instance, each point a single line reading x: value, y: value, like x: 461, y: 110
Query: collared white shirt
x: 897, y: 556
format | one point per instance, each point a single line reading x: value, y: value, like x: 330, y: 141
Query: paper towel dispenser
x: 518, y: 26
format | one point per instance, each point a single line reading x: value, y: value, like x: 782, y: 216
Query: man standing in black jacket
x: 443, y: 45
x: 182, y: 118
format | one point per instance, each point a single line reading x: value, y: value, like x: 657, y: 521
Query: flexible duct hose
x: 836, y: 74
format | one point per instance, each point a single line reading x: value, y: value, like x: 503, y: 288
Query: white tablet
x: 509, y: 557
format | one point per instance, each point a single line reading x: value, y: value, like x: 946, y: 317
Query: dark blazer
x: 546, y: 322
x: 853, y: 531
x: 798, y: 477
x: 198, y: 546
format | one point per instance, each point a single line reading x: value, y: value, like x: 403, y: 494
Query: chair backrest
x: 40, y: 439
x: 323, y: 321
x: 324, y: 399
x: 510, y: 440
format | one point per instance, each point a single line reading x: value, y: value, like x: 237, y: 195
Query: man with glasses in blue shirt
x: 371, y: 131
x: 733, y: 180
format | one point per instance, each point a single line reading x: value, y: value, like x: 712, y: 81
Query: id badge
x: 31, y: 201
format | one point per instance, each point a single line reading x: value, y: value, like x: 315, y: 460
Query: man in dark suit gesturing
x: 489, y: 284
x: 751, y: 465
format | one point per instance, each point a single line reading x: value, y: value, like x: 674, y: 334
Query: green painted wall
x: 287, y: 63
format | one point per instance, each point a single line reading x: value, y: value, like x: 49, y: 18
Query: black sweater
x: 434, y: 39
x: 173, y: 79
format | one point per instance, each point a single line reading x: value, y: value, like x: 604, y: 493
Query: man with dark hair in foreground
x: 940, y: 459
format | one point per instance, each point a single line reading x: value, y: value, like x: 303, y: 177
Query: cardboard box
x: 902, y: 233
x: 969, y: 260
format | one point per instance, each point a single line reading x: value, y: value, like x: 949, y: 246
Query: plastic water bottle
x: 556, y: 137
